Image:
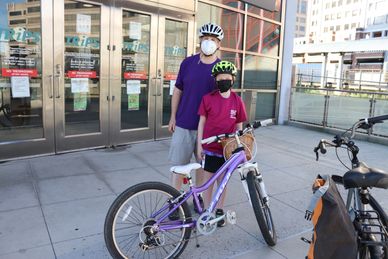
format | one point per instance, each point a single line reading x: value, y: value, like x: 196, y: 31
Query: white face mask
x: 208, y: 47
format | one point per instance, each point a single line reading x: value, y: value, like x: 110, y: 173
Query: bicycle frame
x: 228, y: 168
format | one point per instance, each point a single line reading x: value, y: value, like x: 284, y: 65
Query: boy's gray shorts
x: 183, y: 146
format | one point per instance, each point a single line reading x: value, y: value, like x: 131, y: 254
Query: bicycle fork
x: 243, y: 172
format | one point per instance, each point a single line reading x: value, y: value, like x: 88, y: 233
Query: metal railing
x: 354, y: 80
x: 337, y: 108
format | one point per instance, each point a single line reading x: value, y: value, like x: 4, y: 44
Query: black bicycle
x: 369, y: 218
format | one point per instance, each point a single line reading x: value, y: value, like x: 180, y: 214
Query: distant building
x: 339, y: 20
x: 346, y: 43
x: 301, y: 18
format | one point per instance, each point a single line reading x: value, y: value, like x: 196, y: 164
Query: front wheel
x: 128, y: 229
x: 261, y: 209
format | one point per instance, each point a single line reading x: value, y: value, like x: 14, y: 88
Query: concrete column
x: 340, y: 70
x: 385, y: 69
x: 288, y: 44
x: 323, y: 71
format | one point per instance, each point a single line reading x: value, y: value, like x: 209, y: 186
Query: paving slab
x: 22, y: 229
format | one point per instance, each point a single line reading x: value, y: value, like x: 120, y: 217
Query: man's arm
x: 176, y: 98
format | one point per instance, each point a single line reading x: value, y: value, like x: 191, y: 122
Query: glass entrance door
x: 149, y: 49
x: 81, y: 74
x: 26, y: 119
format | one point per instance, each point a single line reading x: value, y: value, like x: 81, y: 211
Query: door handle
x: 51, y: 86
x: 159, y: 89
x: 156, y: 92
x: 58, y: 82
x: 58, y: 73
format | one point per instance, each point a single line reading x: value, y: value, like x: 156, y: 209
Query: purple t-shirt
x: 195, y: 81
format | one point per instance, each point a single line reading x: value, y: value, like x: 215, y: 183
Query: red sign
x: 82, y: 74
x: 169, y: 76
x: 135, y: 75
x: 19, y: 72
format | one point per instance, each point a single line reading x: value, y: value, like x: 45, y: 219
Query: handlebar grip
x: 322, y: 148
x: 376, y: 119
x: 262, y: 123
x: 209, y: 140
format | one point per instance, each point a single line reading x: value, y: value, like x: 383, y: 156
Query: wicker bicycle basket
x: 247, y: 140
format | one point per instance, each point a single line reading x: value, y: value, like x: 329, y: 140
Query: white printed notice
x: 133, y: 87
x: 20, y: 86
x: 79, y: 85
x: 135, y: 30
x: 84, y: 23
x: 172, y: 86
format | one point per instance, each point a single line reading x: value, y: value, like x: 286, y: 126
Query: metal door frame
x: 44, y: 145
x: 74, y: 142
x: 155, y: 129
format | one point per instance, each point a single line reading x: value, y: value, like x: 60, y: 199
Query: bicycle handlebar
x: 248, y: 127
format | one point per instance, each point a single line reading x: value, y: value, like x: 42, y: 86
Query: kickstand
x: 196, y: 238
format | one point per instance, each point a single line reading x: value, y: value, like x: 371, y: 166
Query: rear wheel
x: 384, y: 220
x: 129, y: 228
x: 261, y: 210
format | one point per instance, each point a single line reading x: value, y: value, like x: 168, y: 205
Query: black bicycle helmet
x: 224, y: 67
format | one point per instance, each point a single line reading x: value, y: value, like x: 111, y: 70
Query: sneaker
x: 219, y: 213
x: 175, y: 214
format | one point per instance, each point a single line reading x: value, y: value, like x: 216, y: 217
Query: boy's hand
x: 200, y: 154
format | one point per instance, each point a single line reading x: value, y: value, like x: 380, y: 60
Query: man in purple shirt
x: 193, y: 82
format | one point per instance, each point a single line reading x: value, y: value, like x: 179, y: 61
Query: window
x: 302, y: 19
x: 303, y: 7
x: 354, y: 25
x: 34, y: 9
x: 348, y: 1
x: 13, y: 22
x: 339, y: 2
x: 326, y: 17
x: 347, y: 14
x: 326, y: 29
x: 302, y: 28
x: 338, y: 27
x: 354, y: 13
x: 331, y: 28
x: 338, y: 15
x: 346, y: 27
x: 327, y: 5
x: 377, y: 34
x: 16, y: 13
x: 334, y: 4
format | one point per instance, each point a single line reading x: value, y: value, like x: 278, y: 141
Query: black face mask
x: 224, y: 85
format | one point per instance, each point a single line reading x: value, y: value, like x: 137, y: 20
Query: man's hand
x: 171, y: 125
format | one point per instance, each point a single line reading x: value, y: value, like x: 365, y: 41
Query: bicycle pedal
x: 231, y: 217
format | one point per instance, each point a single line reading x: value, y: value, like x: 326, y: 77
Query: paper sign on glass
x: 84, y: 23
x: 133, y: 86
x: 135, y: 30
x: 79, y: 85
x: 133, y: 102
x: 20, y: 86
x: 80, y: 102
x: 172, y: 86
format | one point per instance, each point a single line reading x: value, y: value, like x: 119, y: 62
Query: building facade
x: 86, y: 74
x: 341, y: 20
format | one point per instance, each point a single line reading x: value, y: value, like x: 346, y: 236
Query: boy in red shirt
x: 221, y: 111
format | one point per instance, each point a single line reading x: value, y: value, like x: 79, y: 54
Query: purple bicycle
x: 153, y: 219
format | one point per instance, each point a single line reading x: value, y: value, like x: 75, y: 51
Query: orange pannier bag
x: 334, y: 236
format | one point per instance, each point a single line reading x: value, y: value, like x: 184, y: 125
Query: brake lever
x: 316, y: 153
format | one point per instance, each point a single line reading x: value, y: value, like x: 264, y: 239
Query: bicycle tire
x: 261, y: 210
x: 383, y: 217
x: 131, y: 201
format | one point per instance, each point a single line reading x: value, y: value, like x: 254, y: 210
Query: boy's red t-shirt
x: 222, y: 115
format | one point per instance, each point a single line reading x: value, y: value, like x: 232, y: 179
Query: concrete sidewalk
x: 55, y: 206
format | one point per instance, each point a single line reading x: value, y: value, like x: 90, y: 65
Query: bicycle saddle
x: 185, y: 169
x: 364, y: 176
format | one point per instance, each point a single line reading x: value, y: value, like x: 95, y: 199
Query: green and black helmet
x: 224, y: 67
